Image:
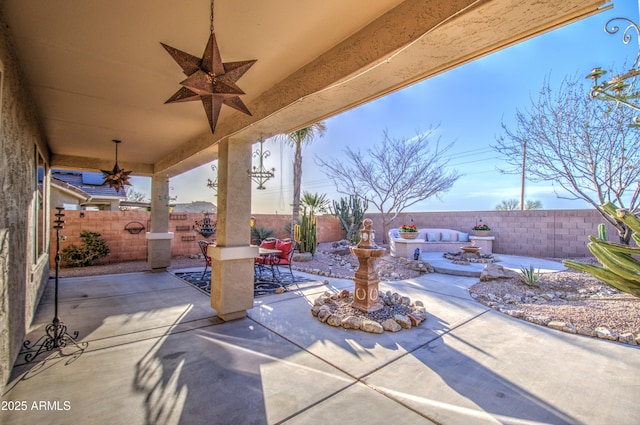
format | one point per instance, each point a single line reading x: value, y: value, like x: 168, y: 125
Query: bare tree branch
x: 393, y: 175
x: 583, y: 145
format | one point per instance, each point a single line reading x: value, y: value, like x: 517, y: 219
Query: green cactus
x: 602, y: 232
x: 350, y: 212
x: 305, y: 233
x: 620, y: 269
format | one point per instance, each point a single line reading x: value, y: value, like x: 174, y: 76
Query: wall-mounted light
x: 166, y: 199
x: 206, y: 227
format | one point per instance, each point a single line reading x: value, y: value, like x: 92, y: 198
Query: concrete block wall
x: 328, y: 226
x: 537, y: 233
x: 125, y: 246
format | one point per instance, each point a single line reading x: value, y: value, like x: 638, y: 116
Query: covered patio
x: 76, y: 75
x: 157, y: 354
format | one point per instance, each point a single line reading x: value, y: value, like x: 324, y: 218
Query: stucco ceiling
x: 97, y: 71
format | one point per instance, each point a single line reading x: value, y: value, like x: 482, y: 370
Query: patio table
x: 269, y: 254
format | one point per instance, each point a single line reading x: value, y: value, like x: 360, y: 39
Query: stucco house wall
x: 60, y: 198
x: 22, y: 275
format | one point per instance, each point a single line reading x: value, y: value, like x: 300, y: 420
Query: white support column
x: 232, y: 257
x: 159, y: 237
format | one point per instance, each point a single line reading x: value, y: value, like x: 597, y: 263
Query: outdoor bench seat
x: 428, y: 240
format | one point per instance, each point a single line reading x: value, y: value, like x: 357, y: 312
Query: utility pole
x: 524, y: 163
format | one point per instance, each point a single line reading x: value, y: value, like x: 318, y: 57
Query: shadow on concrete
x: 158, y: 355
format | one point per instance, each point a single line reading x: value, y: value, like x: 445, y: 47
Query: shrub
x: 93, y: 247
x: 259, y: 233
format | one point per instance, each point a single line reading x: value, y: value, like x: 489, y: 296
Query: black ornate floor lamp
x: 56, y: 336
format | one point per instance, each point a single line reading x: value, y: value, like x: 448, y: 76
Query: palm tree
x: 296, y: 139
x: 316, y: 202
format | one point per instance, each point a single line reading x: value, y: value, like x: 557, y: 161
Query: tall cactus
x: 350, y: 212
x: 602, y: 232
x: 621, y: 270
x: 305, y: 233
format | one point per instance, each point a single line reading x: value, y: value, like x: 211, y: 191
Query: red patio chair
x: 260, y: 262
x: 287, y: 246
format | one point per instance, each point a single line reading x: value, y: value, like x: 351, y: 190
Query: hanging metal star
x: 210, y: 80
x: 116, y: 178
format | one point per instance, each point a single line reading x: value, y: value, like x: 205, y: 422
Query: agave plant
x: 530, y: 275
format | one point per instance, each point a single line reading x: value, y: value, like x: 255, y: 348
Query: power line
x: 478, y: 151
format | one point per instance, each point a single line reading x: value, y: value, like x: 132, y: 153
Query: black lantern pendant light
x: 260, y: 174
x: 116, y: 178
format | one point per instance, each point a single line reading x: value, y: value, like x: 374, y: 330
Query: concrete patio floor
x: 157, y: 354
x: 512, y: 262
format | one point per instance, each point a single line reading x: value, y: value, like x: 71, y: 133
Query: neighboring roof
x: 195, y: 207
x: 70, y: 189
x: 91, y: 183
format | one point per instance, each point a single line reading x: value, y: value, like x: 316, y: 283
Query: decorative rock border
x: 319, y: 272
x: 398, y: 312
x: 500, y: 304
x: 419, y: 266
x: 465, y: 258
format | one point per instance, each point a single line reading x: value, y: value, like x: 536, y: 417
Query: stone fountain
x: 365, y: 293
x: 368, y: 309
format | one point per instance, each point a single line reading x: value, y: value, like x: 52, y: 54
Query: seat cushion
x: 279, y: 261
x: 268, y: 244
x: 285, y: 247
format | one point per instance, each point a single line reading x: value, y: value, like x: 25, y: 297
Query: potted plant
x: 481, y: 230
x: 408, y: 231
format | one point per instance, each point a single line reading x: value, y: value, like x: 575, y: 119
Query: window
x: 40, y: 205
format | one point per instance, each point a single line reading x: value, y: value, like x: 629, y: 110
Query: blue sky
x: 468, y: 104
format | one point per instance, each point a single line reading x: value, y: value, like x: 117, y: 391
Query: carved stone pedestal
x: 365, y: 293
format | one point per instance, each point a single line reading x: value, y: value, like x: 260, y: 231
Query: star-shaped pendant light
x: 116, y: 178
x: 210, y: 80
